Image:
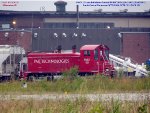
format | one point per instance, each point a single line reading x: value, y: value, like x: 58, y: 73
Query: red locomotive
x: 92, y: 59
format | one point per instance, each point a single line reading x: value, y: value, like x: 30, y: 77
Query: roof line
x: 134, y: 32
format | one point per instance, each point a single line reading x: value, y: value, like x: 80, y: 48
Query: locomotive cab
x: 95, y: 59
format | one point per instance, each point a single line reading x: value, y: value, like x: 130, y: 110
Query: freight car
x: 91, y: 59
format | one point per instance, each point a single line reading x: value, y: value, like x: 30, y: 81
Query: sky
x: 84, y: 5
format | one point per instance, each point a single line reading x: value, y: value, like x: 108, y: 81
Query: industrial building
x: 125, y: 33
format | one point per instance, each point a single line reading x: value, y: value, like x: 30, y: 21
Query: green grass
x: 78, y: 106
x: 91, y: 84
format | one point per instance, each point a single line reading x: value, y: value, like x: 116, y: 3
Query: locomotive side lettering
x: 55, y: 61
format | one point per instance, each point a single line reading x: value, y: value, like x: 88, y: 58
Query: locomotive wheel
x: 31, y: 78
x: 0, y: 79
x: 50, y: 78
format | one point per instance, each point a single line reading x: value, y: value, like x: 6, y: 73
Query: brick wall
x: 136, y: 46
x: 16, y: 38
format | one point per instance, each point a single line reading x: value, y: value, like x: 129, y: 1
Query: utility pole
x: 77, y: 17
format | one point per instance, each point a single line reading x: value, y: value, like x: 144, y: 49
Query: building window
x: 81, y: 25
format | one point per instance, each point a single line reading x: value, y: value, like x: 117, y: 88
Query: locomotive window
x: 106, y: 55
x: 87, y: 53
x: 96, y: 54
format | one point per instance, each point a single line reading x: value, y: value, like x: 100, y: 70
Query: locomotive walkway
x: 90, y: 97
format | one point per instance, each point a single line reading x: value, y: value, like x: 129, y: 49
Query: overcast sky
x: 84, y: 5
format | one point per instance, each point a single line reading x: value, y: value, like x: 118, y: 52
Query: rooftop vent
x: 60, y: 6
x: 124, y: 11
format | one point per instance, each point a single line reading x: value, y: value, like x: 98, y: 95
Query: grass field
x: 78, y: 106
x: 91, y: 84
